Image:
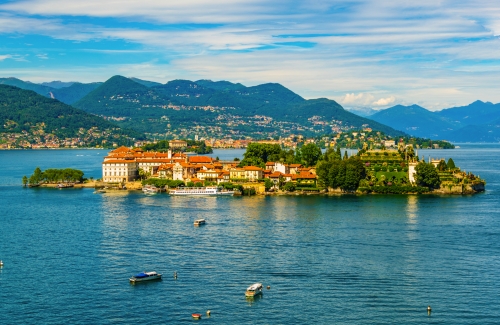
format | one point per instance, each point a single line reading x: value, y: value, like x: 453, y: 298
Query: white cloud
x: 384, y: 101
x: 366, y: 52
x: 5, y: 57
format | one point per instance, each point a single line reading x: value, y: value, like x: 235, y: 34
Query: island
x: 270, y: 169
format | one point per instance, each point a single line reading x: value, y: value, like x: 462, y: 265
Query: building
x: 175, y: 144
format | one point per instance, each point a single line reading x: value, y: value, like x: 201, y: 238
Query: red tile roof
x: 200, y: 160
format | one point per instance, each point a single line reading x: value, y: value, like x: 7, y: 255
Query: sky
x: 361, y: 53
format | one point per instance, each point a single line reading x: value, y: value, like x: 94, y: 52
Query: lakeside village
x: 270, y: 169
x: 96, y: 138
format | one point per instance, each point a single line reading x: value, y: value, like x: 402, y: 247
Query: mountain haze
x: 476, y: 122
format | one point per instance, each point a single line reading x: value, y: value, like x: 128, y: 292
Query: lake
x: 369, y: 259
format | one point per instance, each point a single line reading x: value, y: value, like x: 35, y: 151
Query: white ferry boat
x: 254, y: 290
x: 208, y: 190
x: 145, y: 276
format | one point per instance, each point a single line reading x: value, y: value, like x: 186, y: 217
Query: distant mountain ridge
x: 476, y: 122
x: 218, y: 109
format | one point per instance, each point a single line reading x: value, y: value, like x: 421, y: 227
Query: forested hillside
x: 32, y: 118
x: 217, y: 109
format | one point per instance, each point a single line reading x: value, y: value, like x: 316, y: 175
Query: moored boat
x: 199, y: 222
x: 201, y: 191
x: 65, y: 185
x: 150, y: 189
x: 145, y: 276
x: 254, y: 290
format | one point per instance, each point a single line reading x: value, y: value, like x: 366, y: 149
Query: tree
x: 289, y: 187
x: 343, y: 174
x: 345, y: 155
x: 143, y: 174
x: 354, y: 172
x: 442, y: 166
x: 257, y: 154
x: 160, y: 146
x: 427, y: 175
x: 451, y: 164
x: 331, y: 154
x: 268, y: 184
x: 310, y: 154
x: 25, y: 180
x: 281, y: 182
x: 36, y: 177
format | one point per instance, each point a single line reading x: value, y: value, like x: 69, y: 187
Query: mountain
x: 57, y: 84
x: 476, y: 122
x: 145, y: 82
x: 489, y: 132
x: 66, y: 92
x: 40, y: 89
x: 75, y: 92
x: 220, y: 85
x: 362, y: 111
x: 476, y: 113
x: 218, y: 109
x: 415, y: 120
x: 33, y: 118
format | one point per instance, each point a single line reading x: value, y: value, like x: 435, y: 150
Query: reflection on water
x: 412, y: 209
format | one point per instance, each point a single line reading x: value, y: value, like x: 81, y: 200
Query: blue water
x: 375, y: 259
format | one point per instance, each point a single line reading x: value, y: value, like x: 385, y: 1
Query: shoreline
x: 133, y: 187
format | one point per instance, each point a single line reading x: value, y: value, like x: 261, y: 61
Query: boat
x: 1, y: 263
x: 254, y: 290
x: 201, y: 191
x: 145, y: 276
x: 99, y: 191
x: 196, y: 315
x: 150, y: 189
x: 199, y: 222
x: 65, y: 185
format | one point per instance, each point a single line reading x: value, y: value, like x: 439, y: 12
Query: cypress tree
x: 451, y: 164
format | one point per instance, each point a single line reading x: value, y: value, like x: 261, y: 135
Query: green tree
x: 289, y: 187
x: 451, y: 164
x: 257, y: 154
x: 343, y: 174
x: 268, y: 184
x: 160, y: 146
x: 143, y: 174
x: 442, y: 166
x: 427, y: 175
x: 310, y: 154
x: 36, y: 177
x: 354, y: 172
x: 345, y: 155
x: 25, y: 180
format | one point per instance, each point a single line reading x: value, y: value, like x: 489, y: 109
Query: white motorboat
x: 150, y: 189
x: 254, y: 290
x: 201, y: 191
x: 199, y: 222
x: 145, y: 276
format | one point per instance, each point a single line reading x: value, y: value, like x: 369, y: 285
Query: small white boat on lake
x: 150, y: 189
x: 254, y: 290
x: 199, y: 222
x: 145, y: 276
x: 201, y: 191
